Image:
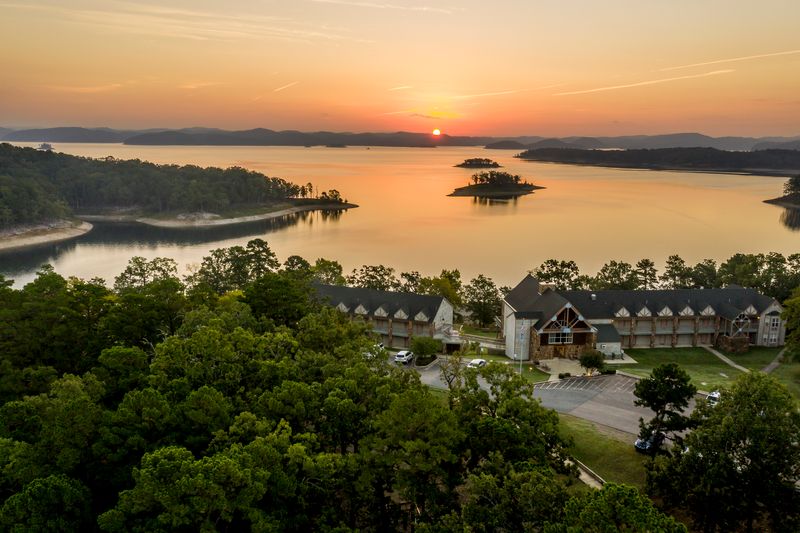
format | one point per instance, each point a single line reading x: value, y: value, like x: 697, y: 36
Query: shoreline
x: 38, y: 236
x: 471, y: 190
x: 735, y: 172
x: 207, y: 220
x: 783, y: 202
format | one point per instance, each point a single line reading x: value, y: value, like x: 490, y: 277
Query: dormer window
x: 361, y: 310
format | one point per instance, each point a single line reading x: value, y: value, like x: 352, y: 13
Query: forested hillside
x: 232, y: 401
x: 39, y: 185
x: 672, y: 158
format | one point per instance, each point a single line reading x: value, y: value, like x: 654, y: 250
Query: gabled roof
x: 548, y: 304
x: 370, y: 299
x: 521, y: 297
x: 607, y: 333
x: 727, y: 302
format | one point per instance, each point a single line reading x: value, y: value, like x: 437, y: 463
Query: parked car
x: 477, y: 363
x: 713, y: 398
x: 404, y: 356
x: 651, y: 444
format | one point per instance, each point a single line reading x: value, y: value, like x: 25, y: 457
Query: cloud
x: 401, y: 88
x: 429, y: 117
x: 732, y: 59
x: 382, y: 5
x: 501, y: 93
x: 146, y: 19
x: 198, y: 85
x: 282, y: 87
x: 85, y: 89
x: 643, y: 83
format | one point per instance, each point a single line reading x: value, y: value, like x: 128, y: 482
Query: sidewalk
x: 726, y: 360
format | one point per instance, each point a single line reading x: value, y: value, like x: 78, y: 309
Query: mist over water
x: 407, y: 221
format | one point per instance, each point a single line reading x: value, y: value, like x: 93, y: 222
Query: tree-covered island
x: 479, y: 162
x: 496, y: 184
x: 791, y: 194
x: 40, y: 189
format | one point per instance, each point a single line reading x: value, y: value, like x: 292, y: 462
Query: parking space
x: 613, y: 383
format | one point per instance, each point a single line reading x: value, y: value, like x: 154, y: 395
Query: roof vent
x: 594, y: 297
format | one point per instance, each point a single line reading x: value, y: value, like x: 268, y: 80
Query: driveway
x: 606, y: 400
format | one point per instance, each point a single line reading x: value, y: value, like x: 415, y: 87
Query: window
x: 559, y: 338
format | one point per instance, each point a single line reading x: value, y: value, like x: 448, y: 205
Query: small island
x: 791, y: 194
x: 479, y: 162
x: 496, y: 184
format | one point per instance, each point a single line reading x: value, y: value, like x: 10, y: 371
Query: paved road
x: 606, y: 400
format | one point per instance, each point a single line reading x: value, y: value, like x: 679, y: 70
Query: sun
x: 436, y: 132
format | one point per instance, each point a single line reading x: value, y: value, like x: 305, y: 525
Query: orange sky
x: 469, y: 67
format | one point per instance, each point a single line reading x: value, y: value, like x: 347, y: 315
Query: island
x: 762, y: 162
x: 496, y: 184
x: 791, y: 195
x: 478, y: 162
x: 49, y: 196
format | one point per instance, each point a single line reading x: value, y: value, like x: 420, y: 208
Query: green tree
x: 328, y: 271
x: 791, y: 314
x: 704, y: 274
x: 615, y: 275
x: 677, y: 275
x: 140, y: 272
x: 425, y: 346
x: 645, y: 274
x: 482, y: 299
x: 741, y: 269
x: 592, y: 360
x: 376, y: 277
x: 740, y: 467
x: 561, y: 274
x: 667, y: 391
x: 52, y: 504
x: 614, y: 508
x: 792, y: 185
x: 279, y: 297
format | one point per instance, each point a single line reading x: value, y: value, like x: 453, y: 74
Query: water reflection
x: 791, y: 219
x: 496, y: 200
x: 125, y: 234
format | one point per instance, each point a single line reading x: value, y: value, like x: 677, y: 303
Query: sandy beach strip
x: 210, y: 222
x: 38, y: 236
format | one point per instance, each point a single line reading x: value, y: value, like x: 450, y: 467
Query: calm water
x: 407, y: 221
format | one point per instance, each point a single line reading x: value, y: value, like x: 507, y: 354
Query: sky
x: 468, y: 67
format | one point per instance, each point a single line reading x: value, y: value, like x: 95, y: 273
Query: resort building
x: 540, y: 322
x: 395, y: 316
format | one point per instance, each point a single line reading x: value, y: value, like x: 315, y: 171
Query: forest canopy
x: 37, y: 186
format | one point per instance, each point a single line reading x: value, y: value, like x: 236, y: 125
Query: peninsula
x: 496, y: 184
x: 791, y: 194
x: 762, y: 162
x: 46, y: 195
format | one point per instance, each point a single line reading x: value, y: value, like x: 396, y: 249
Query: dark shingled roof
x: 522, y: 298
x: 371, y: 299
x: 728, y: 302
x: 607, y: 333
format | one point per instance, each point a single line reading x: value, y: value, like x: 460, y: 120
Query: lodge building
x: 395, y: 316
x: 540, y: 322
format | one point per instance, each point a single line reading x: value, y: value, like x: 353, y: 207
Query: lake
x: 407, y: 221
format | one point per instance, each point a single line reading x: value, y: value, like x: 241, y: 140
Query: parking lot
x: 605, y: 399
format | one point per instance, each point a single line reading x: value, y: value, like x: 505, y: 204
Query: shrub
x: 563, y: 375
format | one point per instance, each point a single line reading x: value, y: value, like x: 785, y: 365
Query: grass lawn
x: 441, y: 395
x: 489, y: 333
x: 756, y: 358
x: 789, y: 375
x: 607, y: 451
x: 529, y: 372
x: 705, y: 369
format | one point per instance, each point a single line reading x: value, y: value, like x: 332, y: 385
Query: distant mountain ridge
x: 201, y: 136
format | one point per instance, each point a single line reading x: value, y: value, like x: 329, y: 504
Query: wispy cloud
x: 732, y: 60
x: 383, y: 5
x: 401, y: 88
x: 92, y: 89
x: 501, y: 93
x: 422, y: 115
x: 192, y: 86
x: 643, y: 83
x: 147, y: 19
x: 282, y: 87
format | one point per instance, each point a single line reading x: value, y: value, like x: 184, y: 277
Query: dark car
x: 651, y: 444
